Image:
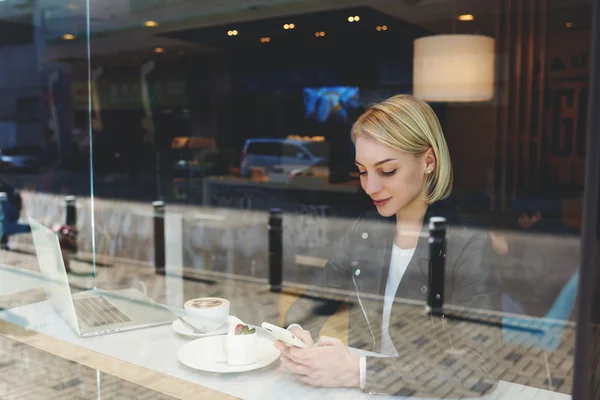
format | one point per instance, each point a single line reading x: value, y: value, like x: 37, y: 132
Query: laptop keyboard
x: 96, y: 311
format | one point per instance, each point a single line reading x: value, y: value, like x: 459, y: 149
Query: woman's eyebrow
x: 378, y: 162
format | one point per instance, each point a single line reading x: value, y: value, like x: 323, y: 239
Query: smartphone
x: 284, y: 335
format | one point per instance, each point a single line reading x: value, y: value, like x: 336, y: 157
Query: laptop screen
x: 52, y: 267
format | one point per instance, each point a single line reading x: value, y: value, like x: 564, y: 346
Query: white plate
x: 185, y: 330
x: 200, y: 354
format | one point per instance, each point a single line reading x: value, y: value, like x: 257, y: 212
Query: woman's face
x: 394, y: 179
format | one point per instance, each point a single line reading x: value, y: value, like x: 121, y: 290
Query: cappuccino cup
x: 209, y: 312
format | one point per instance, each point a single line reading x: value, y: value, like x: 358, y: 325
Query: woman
x: 404, y: 166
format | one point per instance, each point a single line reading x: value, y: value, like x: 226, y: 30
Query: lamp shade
x: 454, y: 68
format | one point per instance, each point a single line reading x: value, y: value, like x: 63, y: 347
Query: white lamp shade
x: 454, y: 68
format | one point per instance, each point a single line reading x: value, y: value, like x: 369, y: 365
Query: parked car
x: 282, y: 155
x: 20, y: 159
x: 197, y: 157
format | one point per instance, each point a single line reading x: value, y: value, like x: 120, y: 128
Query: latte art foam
x: 206, y: 303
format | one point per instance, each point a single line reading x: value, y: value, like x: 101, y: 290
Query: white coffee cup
x: 210, y: 313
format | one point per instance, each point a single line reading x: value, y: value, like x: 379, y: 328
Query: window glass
x: 400, y: 186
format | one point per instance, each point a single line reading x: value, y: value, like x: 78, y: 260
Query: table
x: 16, y: 280
x: 147, y: 357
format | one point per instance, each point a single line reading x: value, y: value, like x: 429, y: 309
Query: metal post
x: 586, y: 376
x: 275, y: 249
x: 3, y: 199
x: 437, y: 253
x: 70, y: 211
x: 159, y: 237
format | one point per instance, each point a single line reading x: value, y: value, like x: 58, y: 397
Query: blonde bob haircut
x: 408, y: 124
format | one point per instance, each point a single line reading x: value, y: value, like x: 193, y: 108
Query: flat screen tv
x: 331, y: 103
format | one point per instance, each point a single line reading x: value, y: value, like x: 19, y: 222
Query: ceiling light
x: 350, y: 19
x: 151, y: 24
x: 265, y: 39
x: 320, y: 34
x: 286, y: 26
x: 356, y: 18
x: 232, y: 33
x: 292, y: 26
x: 384, y: 27
x: 569, y: 24
x: 159, y: 50
x: 68, y: 36
x: 466, y: 17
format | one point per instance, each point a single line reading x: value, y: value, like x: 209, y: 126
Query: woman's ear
x: 430, y: 161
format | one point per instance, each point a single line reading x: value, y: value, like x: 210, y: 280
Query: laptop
x: 92, y: 312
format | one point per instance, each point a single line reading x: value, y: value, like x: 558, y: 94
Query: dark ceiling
x: 339, y: 32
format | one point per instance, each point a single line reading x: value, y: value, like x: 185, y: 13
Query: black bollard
x: 70, y: 211
x: 437, y: 253
x: 3, y: 199
x: 275, y: 249
x: 159, y: 237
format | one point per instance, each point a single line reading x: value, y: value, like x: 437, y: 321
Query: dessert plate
x: 201, y: 353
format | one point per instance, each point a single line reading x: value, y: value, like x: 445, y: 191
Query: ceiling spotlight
x: 378, y: 28
x: 466, y: 17
x: 151, y: 24
x: 320, y: 34
x: 68, y: 36
x: 569, y: 24
x: 289, y: 26
x: 265, y: 39
x: 232, y: 33
x: 159, y: 50
x: 384, y: 28
x: 356, y: 18
x: 350, y: 19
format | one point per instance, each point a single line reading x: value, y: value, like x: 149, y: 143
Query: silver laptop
x: 93, y: 312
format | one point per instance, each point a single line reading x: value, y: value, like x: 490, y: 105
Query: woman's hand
x: 303, y: 335
x: 326, y: 364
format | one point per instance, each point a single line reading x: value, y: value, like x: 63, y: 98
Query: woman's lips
x: 379, y: 203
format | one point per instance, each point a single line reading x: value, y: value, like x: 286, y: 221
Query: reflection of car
x: 276, y: 154
x: 25, y: 159
x: 196, y: 157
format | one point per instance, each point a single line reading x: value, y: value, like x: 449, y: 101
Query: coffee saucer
x: 182, y: 329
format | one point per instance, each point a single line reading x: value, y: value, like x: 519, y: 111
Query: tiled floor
x: 26, y: 373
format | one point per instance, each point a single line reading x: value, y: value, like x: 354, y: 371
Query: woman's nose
x: 371, y: 186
